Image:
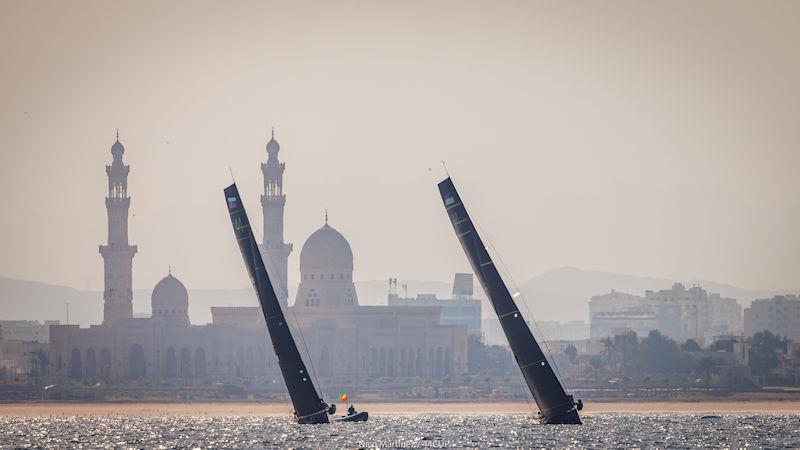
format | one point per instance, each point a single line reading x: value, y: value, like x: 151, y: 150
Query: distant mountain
x: 561, y: 294
x: 31, y: 300
x: 564, y: 293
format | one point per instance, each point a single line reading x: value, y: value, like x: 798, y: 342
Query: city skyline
x: 613, y: 160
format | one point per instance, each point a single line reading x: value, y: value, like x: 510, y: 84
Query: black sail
x: 555, y: 405
x: 308, y: 404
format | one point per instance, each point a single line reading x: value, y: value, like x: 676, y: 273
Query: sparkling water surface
x: 407, y: 431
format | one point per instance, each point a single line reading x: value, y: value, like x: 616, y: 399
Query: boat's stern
x: 317, y: 417
x: 570, y: 417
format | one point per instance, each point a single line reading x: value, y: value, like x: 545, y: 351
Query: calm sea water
x: 415, y: 431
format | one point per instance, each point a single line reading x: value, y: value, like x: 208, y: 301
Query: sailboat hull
x: 571, y: 417
x: 320, y: 417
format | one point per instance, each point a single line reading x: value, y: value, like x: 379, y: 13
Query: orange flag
x: 344, y: 397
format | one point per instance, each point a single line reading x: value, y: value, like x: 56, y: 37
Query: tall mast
x: 555, y: 406
x: 308, y: 404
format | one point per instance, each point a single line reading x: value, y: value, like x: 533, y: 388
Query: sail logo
x: 233, y: 202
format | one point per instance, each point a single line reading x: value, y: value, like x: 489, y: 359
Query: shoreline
x: 252, y: 409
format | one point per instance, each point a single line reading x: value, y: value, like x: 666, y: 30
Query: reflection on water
x: 411, y: 431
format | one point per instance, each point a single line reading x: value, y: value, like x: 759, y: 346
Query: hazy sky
x: 648, y: 138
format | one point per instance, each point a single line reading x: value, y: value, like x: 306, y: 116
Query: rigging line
x: 524, y: 302
x: 520, y: 378
x: 310, y: 360
x: 286, y: 398
x: 294, y: 316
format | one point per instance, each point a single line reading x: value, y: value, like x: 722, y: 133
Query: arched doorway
x: 200, y: 362
x: 171, y: 364
x: 105, y: 363
x: 75, y: 366
x: 186, y: 363
x: 91, y: 364
x: 136, y: 364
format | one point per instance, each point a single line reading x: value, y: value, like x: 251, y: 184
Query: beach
x: 149, y: 409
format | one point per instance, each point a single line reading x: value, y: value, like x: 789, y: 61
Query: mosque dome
x: 170, y: 291
x: 170, y: 300
x: 326, y: 249
x: 117, y: 149
x: 272, y: 146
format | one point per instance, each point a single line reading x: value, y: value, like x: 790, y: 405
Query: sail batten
x: 555, y: 405
x: 308, y: 404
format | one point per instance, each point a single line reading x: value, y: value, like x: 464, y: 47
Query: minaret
x: 117, y: 254
x: 274, y: 249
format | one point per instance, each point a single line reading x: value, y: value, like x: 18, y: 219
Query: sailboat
x: 555, y: 405
x: 309, y: 407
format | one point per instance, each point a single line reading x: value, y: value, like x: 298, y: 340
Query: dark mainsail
x: 555, y: 406
x: 308, y: 404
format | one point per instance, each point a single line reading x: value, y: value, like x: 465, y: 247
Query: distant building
x: 342, y: 338
x: 687, y: 311
x: 678, y: 312
x: 26, y: 330
x: 117, y: 253
x: 462, y: 309
x: 346, y: 339
x: 617, y: 312
x: 640, y: 320
x: 726, y: 315
x: 779, y: 315
x: 164, y: 345
x: 613, y: 302
x: 20, y: 359
x: 574, y: 330
x: 273, y: 248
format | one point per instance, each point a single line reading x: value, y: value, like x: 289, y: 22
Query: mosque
x: 343, y: 338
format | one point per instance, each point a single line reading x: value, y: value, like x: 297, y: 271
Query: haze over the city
x: 661, y: 139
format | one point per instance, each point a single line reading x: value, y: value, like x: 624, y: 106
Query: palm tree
x: 597, y: 364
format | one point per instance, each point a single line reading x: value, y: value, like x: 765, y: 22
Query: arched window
x: 75, y: 366
x: 136, y: 363
x: 91, y: 364
x: 171, y: 364
x: 186, y: 363
x: 105, y: 363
